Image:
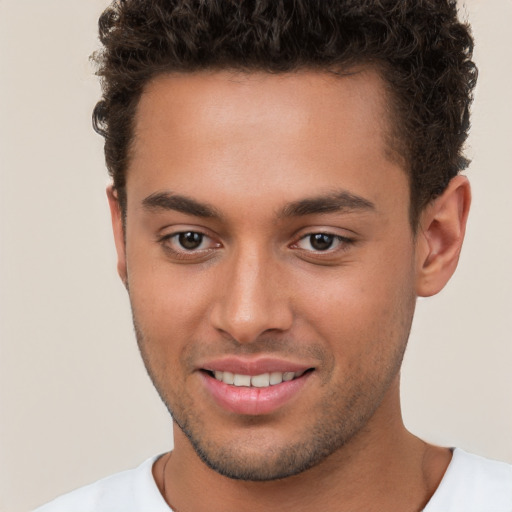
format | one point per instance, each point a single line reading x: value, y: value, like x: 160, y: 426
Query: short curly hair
x: 420, y: 48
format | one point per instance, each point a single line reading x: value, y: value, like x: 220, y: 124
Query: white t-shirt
x: 470, y: 484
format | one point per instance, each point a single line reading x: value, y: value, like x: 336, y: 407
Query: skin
x: 249, y: 148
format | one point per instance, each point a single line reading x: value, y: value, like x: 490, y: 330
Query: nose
x: 251, y: 299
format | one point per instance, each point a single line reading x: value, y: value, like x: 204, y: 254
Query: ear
x: 440, y: 235
x: 117, y: 226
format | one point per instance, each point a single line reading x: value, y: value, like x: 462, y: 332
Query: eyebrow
x: 161, y: 201
x: 336, y: 202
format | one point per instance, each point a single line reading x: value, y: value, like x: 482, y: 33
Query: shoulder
x: 473, y: 484
x: 133, y: 490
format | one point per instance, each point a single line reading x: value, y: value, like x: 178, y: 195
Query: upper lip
x: 253, y: 366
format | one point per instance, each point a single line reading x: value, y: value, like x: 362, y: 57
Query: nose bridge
x: 250, y: 301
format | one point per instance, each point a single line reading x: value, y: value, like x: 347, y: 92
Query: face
x: 270, y: 263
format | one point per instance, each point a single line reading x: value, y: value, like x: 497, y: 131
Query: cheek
x: 167, y: 302
x: 165, y: 314
x: 364, y: 307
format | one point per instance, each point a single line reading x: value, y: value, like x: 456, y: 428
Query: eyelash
x: 342, y: 244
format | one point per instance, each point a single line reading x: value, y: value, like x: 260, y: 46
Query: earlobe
x: 118, y: 229
x: 440, y: 235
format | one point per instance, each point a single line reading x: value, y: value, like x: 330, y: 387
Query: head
x: 284, y: 187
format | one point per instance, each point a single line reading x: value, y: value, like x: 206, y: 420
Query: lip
x: 253, y: 401
x: 253, y: 366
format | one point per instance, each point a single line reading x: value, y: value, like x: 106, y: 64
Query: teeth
x: 242, y: 380
x: 227, y: 377
x: 261, y: 381
x: 276, y: 378
x: 257, y: 381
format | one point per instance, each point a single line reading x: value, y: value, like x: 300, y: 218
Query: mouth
x: 255, y: 393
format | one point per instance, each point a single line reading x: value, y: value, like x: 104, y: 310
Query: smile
x: 257, y: 394
x: 263, y: 380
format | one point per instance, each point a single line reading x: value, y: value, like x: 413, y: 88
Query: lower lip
x: 253, y: 401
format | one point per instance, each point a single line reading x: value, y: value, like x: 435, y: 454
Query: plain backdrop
x: 76, y: 403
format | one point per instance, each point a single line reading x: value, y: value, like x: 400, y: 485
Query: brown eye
x: 190, y: 240
x: 321, y: 241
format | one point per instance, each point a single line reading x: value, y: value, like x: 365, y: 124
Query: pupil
x: 190, y: 240
x: 321, y: 241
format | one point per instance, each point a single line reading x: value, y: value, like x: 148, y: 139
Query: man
x: 285, y: 185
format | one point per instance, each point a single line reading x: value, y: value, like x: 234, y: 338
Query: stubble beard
x: 316, y: 443
x: 340, y: 417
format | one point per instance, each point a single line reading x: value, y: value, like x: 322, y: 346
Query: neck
x: 384, y: 469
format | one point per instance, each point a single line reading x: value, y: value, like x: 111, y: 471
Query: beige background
x: 75, y: 400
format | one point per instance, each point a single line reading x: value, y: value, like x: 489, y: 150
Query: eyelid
x: 169, y: 231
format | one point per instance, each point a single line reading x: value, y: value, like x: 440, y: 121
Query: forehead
x: 188, y: 103
x: 208, y: 134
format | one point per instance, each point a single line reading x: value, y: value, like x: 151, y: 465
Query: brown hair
x: 423, y: 51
